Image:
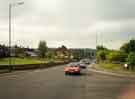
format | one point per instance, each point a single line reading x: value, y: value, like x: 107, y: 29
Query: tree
x: 131, y: 59
x: 42, y: 47
x: 128, y: 47
x: 100, y: 47
x: 101, y: 55
x: 124, y: 48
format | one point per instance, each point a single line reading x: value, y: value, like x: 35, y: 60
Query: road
x: 51, y: 83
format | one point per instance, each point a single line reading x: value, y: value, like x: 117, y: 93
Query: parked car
x: 72, y: 69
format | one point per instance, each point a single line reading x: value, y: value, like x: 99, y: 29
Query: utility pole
x: 10, y: 37
x: 10, y: 67
x: 96, y: 39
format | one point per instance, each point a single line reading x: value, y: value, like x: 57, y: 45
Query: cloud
x: 74, y: 23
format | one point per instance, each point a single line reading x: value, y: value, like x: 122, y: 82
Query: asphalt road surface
x: 51, y: 83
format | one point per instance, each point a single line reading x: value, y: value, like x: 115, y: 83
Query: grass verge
x: 20, y: 61
x: 114, y: 67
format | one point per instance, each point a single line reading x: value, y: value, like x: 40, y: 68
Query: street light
x: 96, y: 39
x: 10, y: 40
x: 96, y: 44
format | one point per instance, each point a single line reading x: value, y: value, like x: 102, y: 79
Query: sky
x: 73, y: 23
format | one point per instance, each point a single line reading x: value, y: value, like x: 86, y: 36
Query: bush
x: 116, y: 56
x: 131, y: 59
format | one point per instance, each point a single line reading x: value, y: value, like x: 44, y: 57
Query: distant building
x: 31, y: 54
x: 63, y: 52
x: 80, y: 53
x: 4, y: 51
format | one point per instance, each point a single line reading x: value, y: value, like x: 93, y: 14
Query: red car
x: 72, y: 69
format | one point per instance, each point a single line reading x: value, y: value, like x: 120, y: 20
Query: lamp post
x: 96, y: 45
x: 96, y: 39
x: 10, y: 23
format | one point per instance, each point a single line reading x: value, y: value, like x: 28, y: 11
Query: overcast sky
x: 73, y: 23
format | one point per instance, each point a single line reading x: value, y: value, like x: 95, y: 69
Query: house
x: 63, y: 52
x: 31, y: 53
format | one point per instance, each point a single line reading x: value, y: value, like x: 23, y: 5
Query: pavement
x: 52, y: 83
